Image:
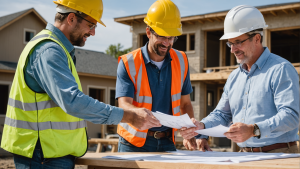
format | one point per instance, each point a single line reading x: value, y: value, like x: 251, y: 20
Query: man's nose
x: 93, y: 32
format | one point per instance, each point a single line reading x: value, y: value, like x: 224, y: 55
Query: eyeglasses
x: 171, y: 39
x: 238, y: 44
x: 91, y: 27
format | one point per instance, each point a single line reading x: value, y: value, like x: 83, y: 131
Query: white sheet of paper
x: 217, y: 131
x: 174, y: 121
x: 208, y: 157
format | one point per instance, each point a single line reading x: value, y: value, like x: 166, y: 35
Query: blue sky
x: 118, y: 33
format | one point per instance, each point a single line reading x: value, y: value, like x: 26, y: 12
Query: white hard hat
x: 242, y: 19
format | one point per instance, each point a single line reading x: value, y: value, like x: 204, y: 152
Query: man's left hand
x: 190, y: 144
x: 239, y: 132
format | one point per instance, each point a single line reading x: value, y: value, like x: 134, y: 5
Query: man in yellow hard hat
x: 155, y: 77
x: 45, y: 121
x: 261, y: 96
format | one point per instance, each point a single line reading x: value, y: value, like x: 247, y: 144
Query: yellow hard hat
x: 164, y: 18
x: 93, y: 8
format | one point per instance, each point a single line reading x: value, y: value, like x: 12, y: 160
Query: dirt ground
x: 8, y: 162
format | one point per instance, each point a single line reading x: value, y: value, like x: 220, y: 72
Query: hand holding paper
x: 174, y: 121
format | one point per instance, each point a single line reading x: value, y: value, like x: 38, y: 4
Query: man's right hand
x: 188, y: 133
x: 202, y: 145
x: 140, y: 118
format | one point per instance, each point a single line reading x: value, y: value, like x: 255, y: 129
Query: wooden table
x: 95, y: 161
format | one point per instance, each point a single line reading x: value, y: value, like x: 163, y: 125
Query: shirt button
x: 160, y: 80
x: 243, y: 107
x: 246, y: 93
x: 249, y: 77
x: 266, y: 136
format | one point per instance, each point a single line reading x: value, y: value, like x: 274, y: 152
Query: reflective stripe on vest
x: 133, y: 131
x: 132, y: 73
x: 45, y: 125
x: 32, y: 106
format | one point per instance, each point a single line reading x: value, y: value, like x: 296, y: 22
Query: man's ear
x: 257, y: 38
x: 71, y: 19
x: 148, y: 32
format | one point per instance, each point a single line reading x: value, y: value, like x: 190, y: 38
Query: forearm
x: 82, y: 106
x: 126, y: 105
x: 216, y: 118
x: 187, y: 108
x: 284, y: 121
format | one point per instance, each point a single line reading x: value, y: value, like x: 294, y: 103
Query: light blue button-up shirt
x: 47, y: 71
x: 268, y: 96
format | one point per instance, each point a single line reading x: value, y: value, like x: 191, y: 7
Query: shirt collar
x: 263, y: 58
x: 146, y: 55
x: 64, y: 40
x: 260, y: 61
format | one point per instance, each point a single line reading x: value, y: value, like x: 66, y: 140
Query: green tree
x: 116, y: 50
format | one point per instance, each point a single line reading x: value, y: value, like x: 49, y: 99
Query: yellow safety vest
x: 31, y: 116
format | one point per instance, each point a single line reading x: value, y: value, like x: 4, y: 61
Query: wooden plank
x: 218, y: 19
x: 104, y: 141
x: 210, y: 20
x: 284, y: 28
x: 205, y: 49
x: 285, y: 11
x: 293, y: 10
x: 209, y: 76
x: 201, y: 21
x: 95, y: 159
x: 99, y: 148
x: 273, y: 13
x: 232, y: 59
x: 188, y: 42
x: 222, y: 53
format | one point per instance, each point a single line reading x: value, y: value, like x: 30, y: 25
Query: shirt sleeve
x: 124, y: 85
x: 187, y: 86
x: 285, y: 87
x: 222, y: 113
x: 52, y: 73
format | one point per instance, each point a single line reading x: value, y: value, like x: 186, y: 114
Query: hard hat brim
x: 231, y: 35
x: 98, y: 20
x: 167, y: 32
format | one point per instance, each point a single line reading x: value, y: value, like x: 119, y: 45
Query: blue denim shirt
x: 268, y: 96
x: 159, y: 81
x: 47, y: 71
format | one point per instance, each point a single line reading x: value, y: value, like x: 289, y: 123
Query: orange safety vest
x: 136, y: 69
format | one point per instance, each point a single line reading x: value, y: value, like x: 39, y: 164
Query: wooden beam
x: 187, y: 42
x: 222, y: 54
x: 209, y: 76
x: 293, y: 10
x: 273, y: 13
x: 285, y: 11
x: 190, y: 22
x: 218, y: 19
x: 96, y: 75
x: 232, y: 59
x: 222, y: 18
x: 210, y: 20
x: 201, y: 21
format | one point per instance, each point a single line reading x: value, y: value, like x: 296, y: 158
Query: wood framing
x: 275, y: 10
x: 222, y: 54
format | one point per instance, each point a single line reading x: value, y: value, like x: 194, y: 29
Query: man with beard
x: 261, y: 97
x: 155, y: 77
x: 44, y: 126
